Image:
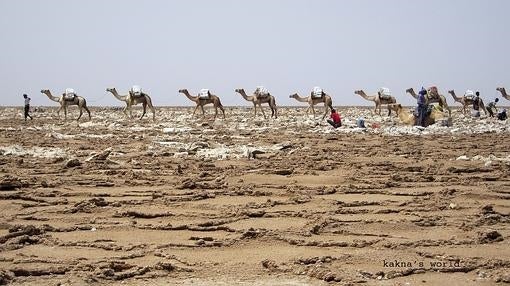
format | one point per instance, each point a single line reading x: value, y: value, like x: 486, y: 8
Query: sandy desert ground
x: 245, y: 201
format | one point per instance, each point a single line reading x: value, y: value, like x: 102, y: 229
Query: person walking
x: 422, y: 107
x: 27, y: 107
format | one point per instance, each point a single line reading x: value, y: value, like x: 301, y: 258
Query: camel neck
x: 245, y: 96
x: 191, y: 97
x: 301, y: 99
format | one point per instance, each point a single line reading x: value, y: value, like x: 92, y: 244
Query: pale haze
x: 286, y: 46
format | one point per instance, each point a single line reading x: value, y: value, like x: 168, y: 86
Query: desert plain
x: 248, y: 201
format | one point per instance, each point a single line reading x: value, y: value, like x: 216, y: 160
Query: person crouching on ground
x: 27, y: 107
x: 491, y: 107
x: 502, y: 115
x: 335, y: 120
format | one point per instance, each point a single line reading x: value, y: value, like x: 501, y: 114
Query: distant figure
x: 27, y: 107
x: 491, y: 107
x: 422, y: 107
x: 502, y: 115
x: 476, y: 105
x: 335, y: 120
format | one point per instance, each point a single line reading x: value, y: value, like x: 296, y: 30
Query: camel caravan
x: 432, y: 106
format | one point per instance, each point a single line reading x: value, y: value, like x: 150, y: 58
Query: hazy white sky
x: 286, y: 45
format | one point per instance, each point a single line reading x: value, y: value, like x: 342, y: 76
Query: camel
x: 466, y: 101
x: 213, y: 99
x: 408, y: 118
x: 326, y: 99
x: 269, y: 99
x: 78, y: 100
x: 503, y: 93
x: 377, y: 100
x: 131, y: 100
x: 439, y: 98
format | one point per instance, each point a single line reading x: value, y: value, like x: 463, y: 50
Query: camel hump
x: 261, y: 91
x: 136, y: 90
x: 204, y: 94
x: 69, y: 94
x: 469, y: 94
x: 433, y: 90
x: 317, y: 92
x: 385, y: 93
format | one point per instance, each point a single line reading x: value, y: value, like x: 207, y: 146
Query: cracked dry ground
x: 326, y: 209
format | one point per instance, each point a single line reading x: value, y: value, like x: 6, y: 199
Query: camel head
x: 294, y: 95
x: 410, y: 90
x: 358, y: 92
x: 239, y: 90
x: 500, y: 89
x: 111, y: 89
x: 452, y: 92
x: 45, y: 91
x: 183, y: 90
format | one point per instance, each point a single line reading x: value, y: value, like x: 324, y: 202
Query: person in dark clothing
x: 502, y: 115
x: 491, y: 107
x: 476, y: 101
x: 27, y: 107
x: 422, y: 107
x: 335, y: 120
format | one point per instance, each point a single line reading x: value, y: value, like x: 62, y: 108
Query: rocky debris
x: 322, y: 273
x: 72, y: 163
x: 88, y: 206
x: 314, y: 260
x: 487, y: 209
x: 5, y: 277
x: 252, y: 233
x: 138, y: 214
x: 52, y: 270
x: 283, y: 172
x: 21, y: 230
x: 255, y: 213
x: 119, y: 270
x: 100, y: 156
x: 489, y: 236
x: 269, y: 264
x: 9, y: 183
x: 488, y: 216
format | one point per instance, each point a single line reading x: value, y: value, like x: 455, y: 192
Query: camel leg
x: 215, y: 112
x: 325, y: 112
x: 88, y: 111
x: 203, y: 111
x: 144, y: 110
x: 196, y: 107
x: 313, y: 110
x: 58, y: 111
x: 125, y: 111
x: 255, y: 108
x: 222, y: 111
x: 149, y: 103
x: 262, y: 109
x: 81, y: 113
x: 65, y: 113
